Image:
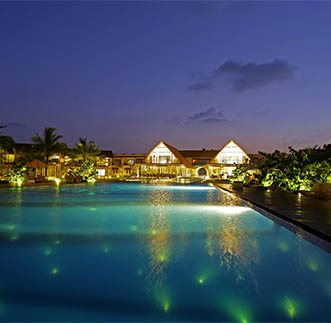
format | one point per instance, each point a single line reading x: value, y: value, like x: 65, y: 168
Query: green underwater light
x: 291, y: 307
x: 55, y: 271
x: 238, y: 309
x: 283, y: 246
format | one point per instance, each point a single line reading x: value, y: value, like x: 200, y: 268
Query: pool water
x: 140, y: 252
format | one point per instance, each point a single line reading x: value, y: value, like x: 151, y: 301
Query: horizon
x: 194, y: 74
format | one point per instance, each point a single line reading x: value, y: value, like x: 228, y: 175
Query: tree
x: 299, y: 170
x: 87, y: 153
x: 86, y: 171
x: 47, y: 145
x: 7, y: 144
x: 17, y: 173
x: 86, y: 150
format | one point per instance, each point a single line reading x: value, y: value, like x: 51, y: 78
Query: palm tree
x: 7, y: 144
x: 87, y: 153
x: 47, y: 145
x: 86, y: 150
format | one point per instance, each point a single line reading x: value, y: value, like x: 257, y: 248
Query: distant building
x: 165, y: 159
x: 125, y: 165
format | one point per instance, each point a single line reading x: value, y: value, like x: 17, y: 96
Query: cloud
x: 175, y: 120
x: 248, y: 76
x: 210, y: 115
x: 201, y: 86
x: 15, y: 125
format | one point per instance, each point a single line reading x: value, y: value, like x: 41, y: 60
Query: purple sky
x: 194, y: 74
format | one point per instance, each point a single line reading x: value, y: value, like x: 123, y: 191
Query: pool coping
x: 315, y: 237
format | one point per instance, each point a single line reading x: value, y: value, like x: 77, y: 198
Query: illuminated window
x: 101, y: 172
x: 164, y: 159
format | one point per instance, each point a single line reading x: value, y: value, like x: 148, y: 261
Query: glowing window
x: 101, y: 172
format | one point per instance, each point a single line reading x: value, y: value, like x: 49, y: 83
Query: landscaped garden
x: 298, y: 170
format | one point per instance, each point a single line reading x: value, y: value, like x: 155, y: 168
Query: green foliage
x: 7, y: 144
x: 48, y: 144
x: 241, y: 174
x: 86, y: 170
x: 86, y: 150
x: 296, y: 171
x: 17, y: 173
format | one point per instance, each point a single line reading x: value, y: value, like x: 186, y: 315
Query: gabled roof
x: 129, y: 155
x: 176, y: 153
x: 199, y: 153
x: 229, y: 142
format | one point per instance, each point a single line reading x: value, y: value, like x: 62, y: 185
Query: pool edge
x: 315, y: 237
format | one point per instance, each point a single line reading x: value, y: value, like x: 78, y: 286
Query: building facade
x: 163, y: 161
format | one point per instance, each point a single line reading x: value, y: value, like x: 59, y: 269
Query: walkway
x: 307, y: 212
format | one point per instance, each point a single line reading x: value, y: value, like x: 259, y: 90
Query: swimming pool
x: 140, y: 252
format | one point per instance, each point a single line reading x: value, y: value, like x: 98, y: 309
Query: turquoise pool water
x: 139, y: 252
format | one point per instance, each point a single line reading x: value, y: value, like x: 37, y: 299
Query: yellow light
x: 283, y: 246
x: 290, y: 307
x: 313, y: 266
x: 201, y: 280
x: 19, y: 182
x: 162, y: 257
x: 14, y: 237
x: 55, y: 271
x: 57, y: 181
x: 166, y: 306
x: 91, y: 180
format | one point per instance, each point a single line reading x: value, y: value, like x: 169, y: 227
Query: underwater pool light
x: 166, y: 306
x: 55, y: 271
x: 313, y: 266
x: 290, y: 306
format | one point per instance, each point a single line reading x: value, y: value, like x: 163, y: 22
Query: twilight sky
x: 194, y: 74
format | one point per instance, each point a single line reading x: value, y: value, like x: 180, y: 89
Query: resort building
x: 166, y: 160
x: 125, y: 165
x: 103, y: 164
x: 163, y: 161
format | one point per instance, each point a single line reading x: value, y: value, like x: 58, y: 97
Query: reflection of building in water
x: 229, y: 239
x: 158, y: 247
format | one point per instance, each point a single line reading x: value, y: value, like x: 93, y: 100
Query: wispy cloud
x: 247, y: 76
x: 210, y: 115
x: 15, y: 125
x: 202, y: 86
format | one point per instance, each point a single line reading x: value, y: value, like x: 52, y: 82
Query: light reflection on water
x: 130, y: 252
